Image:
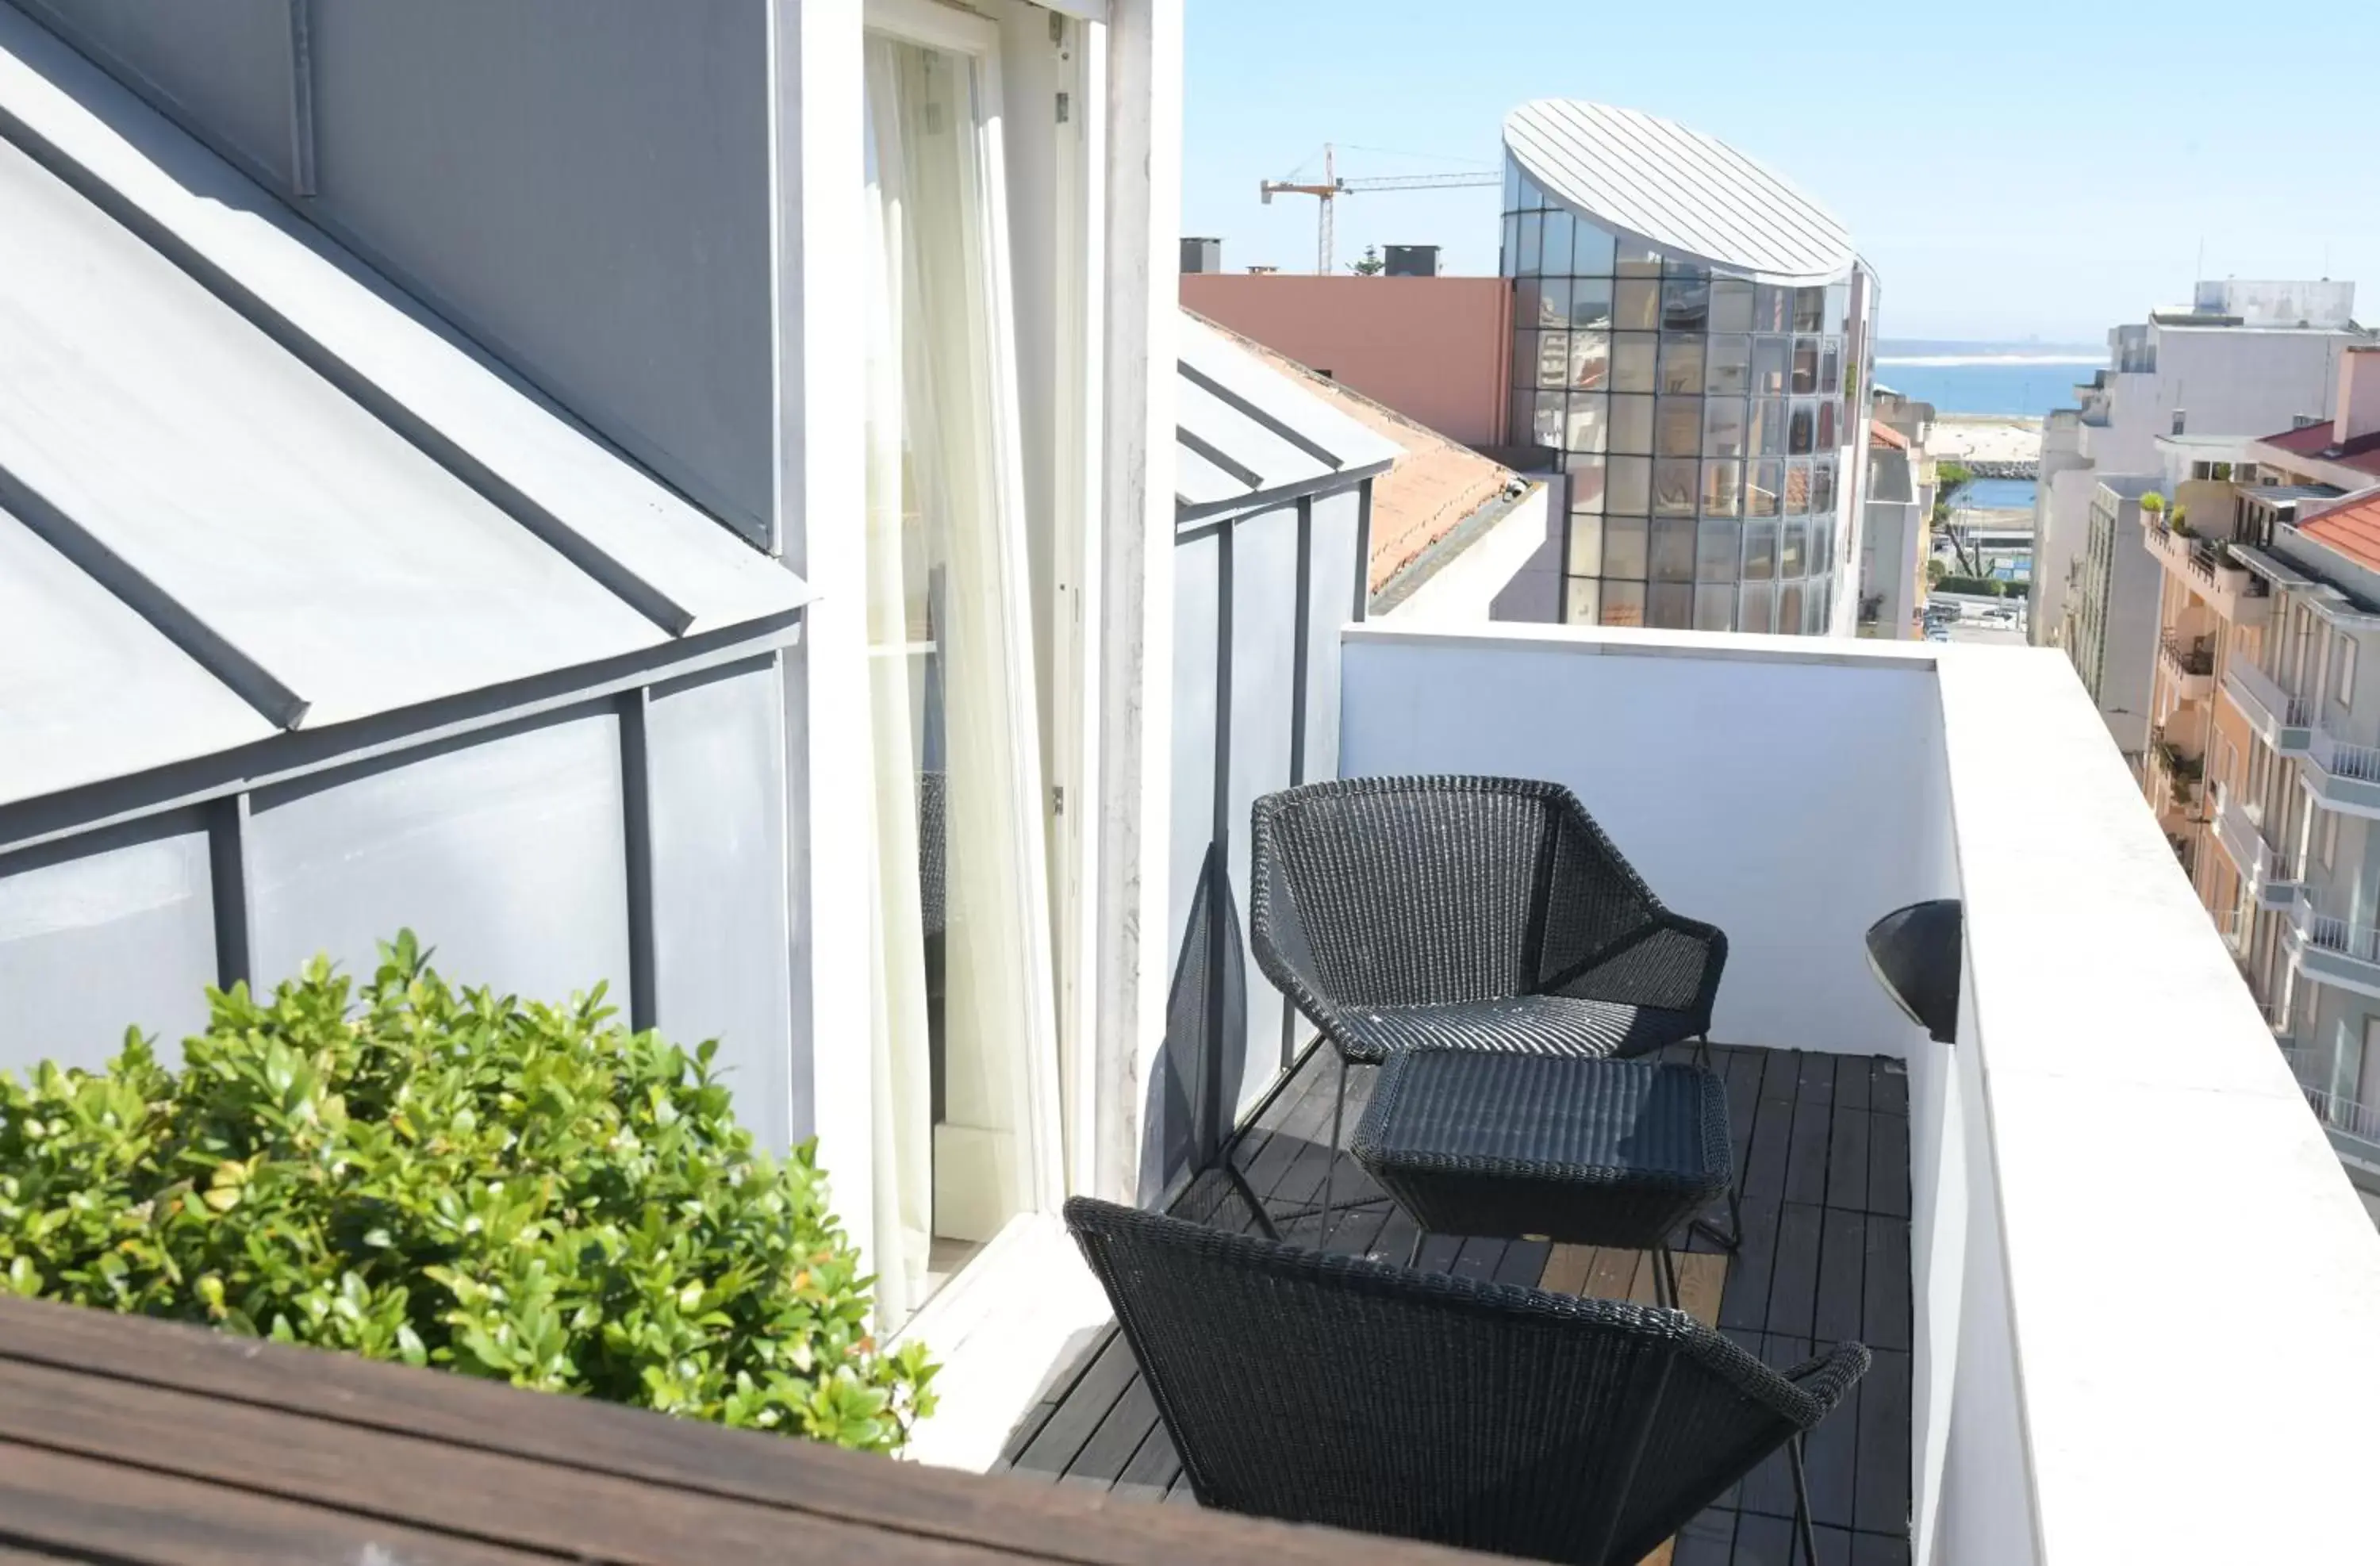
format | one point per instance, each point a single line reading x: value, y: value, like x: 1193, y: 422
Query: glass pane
x: 1583, y: 601
x: 1759, y: 551
x: 1839, y: 306
x: 1585, y: 483
x: 1760, y: 607
x: 1809, y: 308
x: 1628, y: 487
x: 1682, y: 363
x: 1527, y: 312
x: 1822, y: 485
x: 1805, y: 366
x: 1685, y: 305
x: 1822, y: 544
x: 1553, y: 358
x: 1555, y: 245
x: 1814, y: 599
x: 1830, y: 367
x: 1508, y: 260
x: 1624, y: 546
x: 1722, y: 489
x: 1765, y: 493
x: 1797, y: 486
x: 1789, y: 609
x: 1633, y: 257
x: 1767, y: 438
x: 1524, y: 416
x: 1769, y: 359
x: 1593, y: 250
x: 1632, y: 425
x: 1553, y: 301
x: 1512, y: 185
x: 1623, y: 602
x: 1677, y: 427
x: 1772, y: 308
x: 1793, y: 549
x: 1546, y: 429
x: 1714, y: 609
x: 1731, y: 307
x: 1677, y: 485
x: 1636, y: 304
x: 1670, y: 606
x: 1724, y: 426
x: 1590, y: 360
x: 1586, y: 546
x: 1590, y: 301
x: 1802, y: 434
x: 1727, y: 366
x: 1634, y: 357
x: 1678, y: 266
x: 1827, y: 437
x: 1673, y: 550
x: 1590, y: 422
x: 1531, y: 197
x: 1533, y: 227
x: 1716, y: 545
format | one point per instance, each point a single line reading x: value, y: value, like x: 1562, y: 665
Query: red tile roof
x: 2361, y: 452
x: 2352, y: 530
x: 1879, y: 433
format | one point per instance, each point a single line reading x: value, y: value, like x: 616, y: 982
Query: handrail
x: 2292, y: 711
x: 2334, y: 756
x: 2197, y: 658
x: 2346, y: 1119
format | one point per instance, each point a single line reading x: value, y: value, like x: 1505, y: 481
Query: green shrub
x: 1981, y: 587
x: 450, y: 1178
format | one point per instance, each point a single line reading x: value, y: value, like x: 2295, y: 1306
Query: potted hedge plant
x: 453, y: 1178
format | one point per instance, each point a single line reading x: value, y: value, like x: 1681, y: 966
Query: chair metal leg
x: 1330, y: 1165
x: 1665, y: 1277
x: 1248, y: 1195
x: 1412, y: 1257
x: 1808, y: 1539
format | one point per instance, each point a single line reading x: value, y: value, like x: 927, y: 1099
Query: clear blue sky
x: 2020, y: 169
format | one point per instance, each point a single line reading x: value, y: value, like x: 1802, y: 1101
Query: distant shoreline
x: 1951, y: 361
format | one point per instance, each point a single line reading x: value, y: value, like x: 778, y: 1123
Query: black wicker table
x: 1569, y: 1148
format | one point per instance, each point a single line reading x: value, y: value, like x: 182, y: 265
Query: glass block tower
x: 1693, y: 337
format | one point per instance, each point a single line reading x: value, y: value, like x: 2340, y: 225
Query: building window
x: 2329, y: 839
x: 2342, y: 672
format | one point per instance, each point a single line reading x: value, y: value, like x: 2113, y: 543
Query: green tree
x: 1371, y: 265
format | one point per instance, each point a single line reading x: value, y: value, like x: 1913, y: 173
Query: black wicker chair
x: 1470, y: 913
x: 1341, y: 1391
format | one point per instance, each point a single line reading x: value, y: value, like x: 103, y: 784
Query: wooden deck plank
x: 1119, y: 1436
x: 1883, y: 1444
x: 1793, y: 1288
x: 1065, y: 1433
x: 1884, y: 1304
x: 1805, y: 1156
x: 1888, y: 1166
x: 1847, y: 1159
x: 1851, y: 1076
x: 1842, y: 1261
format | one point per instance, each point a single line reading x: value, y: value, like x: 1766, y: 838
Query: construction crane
x: 1332, y: 188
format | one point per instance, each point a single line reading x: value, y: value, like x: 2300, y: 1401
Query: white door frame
x: 977, y: 38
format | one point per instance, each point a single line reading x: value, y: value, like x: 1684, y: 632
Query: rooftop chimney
x: 1202, y: 255
x: 2358, y: 412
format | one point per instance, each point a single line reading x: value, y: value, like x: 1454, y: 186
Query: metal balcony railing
x: 2334, y: 934
x: 2193, y: 656
x: 2340, y: 760
x: 2354, y: 1127
x: 2257, y: 684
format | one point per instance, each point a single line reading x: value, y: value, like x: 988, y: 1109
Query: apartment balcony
x: 2175, y: 778
x: 2239, y: 831
x: 2188, y: 663
x: 2013, y: 1416
x: 2343, y: 776
x: 2333, y: 951
x: 2236, y: 593
x: 2280, y: 720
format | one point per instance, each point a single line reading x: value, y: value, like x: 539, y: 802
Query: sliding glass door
x: 962, y: 1041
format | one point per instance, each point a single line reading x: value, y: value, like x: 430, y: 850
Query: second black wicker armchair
x: 1468, y: 913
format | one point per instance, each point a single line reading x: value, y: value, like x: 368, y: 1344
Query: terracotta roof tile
x: 2314, y: 440
x: 1879, y: 433
x: 1437, y: 484
x: 2352, y: 530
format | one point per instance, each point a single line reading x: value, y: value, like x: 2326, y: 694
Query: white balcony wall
x: 2087, y: 1388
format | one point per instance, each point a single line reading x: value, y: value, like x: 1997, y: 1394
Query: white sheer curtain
x: 962, y: 963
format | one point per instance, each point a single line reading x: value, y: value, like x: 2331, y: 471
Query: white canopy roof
x: 247, y: 485
x: 1691, y: 194
x: 1248, y: 439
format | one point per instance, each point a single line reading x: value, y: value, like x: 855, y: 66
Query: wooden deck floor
x: 1822, y: 1142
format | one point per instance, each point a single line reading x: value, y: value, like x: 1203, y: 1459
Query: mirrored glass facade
x: 1703, y: 418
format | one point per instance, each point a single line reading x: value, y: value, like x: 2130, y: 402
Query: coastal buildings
x: 2109, y: 631
x: 2245, y: 357
x: 1893, y: 537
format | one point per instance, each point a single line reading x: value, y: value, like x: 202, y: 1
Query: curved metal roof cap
x: 1689, y: 193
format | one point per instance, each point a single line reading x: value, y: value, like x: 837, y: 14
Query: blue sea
x: 2027, y: 379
